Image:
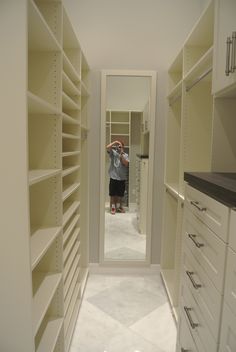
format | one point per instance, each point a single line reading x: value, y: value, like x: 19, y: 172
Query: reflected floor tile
x: 124, y: 253
x: 159, y: 328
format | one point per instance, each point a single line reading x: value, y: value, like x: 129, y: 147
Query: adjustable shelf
x: 72, y: 261
x: 69, y: 209
x: 69, y: 170
x: 51, y: 334
x: 37, y: 105
x: 40, y: 175
x: 69, y: 189
x: 69, y: 314
x: 45, y: 286
x: 69, y: 120
x: 69, y: 86
x: 70, y: 70
x: 65, y: 154
x: 73, y: 284
x: 69, y: 103
x: 41, y: 240
x: 72, y: 324
x: 71, y: 241
x: 70, y: 228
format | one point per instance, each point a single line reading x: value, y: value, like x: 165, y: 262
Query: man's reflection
x: 118, y: 172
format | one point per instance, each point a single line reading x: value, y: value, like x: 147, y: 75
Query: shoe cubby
x: 51, y: 12
x: 44, y: 139
x: 200, y: 40
x: 71, y: 46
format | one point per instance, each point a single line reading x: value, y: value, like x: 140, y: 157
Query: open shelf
x: 40, y: 175
x: 70, y: 228
x: 69, y: 189
x: 73, y: 285
x: 71, y: 325
x: 50, y: 335
x: 69, y: 170
x: 40, y: 38
x: 71, y: 241
x: 69, y: 103
x: 70, y: 70
x: 37, y: 105
x: 69, y: 314
x: 69, y: 120
x: 41, y: 240
x: 68, y: 210
x: 65, y: 154
x: 69, y: 86
x: 73, y: 258
x: 45, y: 286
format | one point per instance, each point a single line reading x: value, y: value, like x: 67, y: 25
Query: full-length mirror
x: 128, y: 110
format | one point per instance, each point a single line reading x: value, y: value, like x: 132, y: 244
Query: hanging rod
x: 177, y: 97
x: 198, y: 79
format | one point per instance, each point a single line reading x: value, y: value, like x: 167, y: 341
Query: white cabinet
x: 224, y: 75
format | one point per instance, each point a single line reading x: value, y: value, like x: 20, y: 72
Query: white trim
x: 153, y: 77
x: 96, y: 268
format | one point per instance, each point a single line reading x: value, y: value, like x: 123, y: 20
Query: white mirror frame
x: 153, y: 78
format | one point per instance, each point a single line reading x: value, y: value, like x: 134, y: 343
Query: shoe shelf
x: 68, y: 230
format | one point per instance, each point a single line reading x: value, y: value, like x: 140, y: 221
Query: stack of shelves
x: 188, y: 138
x: 44, y: 140
x: 46, y: 208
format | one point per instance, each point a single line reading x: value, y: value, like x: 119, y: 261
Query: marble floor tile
x: 127, y: 302
x: 159, y: 328
x: 125, y: 326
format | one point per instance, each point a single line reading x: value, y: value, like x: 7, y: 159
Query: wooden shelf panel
x: 70, y: 244
x: 70, y: 170
x: 71, y: 326
x: 73, y: 257
x: 47, y: 285
x: 36, y: 176
x: 71, y: 208
x: 69, y: 314
x: 69, y: 86
x: 69, y: 136
x: 37, y: 105
x: 69, y: 189
x: 50, y: 336
x: 71, y: 290
x: 205, y: 63
x: 69, y: 103
x: 41, y: 240
x: 70, y: 70
x: 70, y: 228
x: 69, y: 120
x: 65, y: 154
x: 74, y: 267
x: 40, y: 38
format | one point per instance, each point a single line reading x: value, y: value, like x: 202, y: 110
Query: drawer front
x: 208, y: 249
x: 204, y: 292
x: 185, y: 339
x: 197, y: 325
x: 228, y: 331
x: 212, y: 213
x: 230, y: 285
x: 232, y: 230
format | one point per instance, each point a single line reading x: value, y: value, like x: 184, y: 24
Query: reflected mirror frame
x: 126, y: 73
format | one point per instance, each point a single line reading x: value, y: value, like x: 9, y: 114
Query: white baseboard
x: 96, y: 268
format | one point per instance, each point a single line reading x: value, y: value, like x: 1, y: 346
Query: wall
x: 139, y: 35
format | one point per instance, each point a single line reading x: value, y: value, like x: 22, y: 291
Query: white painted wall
x: 131, y: 34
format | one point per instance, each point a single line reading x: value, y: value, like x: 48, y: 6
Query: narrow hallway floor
x: 124, y: 313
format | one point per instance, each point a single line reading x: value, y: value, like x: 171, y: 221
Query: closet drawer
x: 204, y: 292
x: 197, y: 325
x: 228, y: 331
x: 212, y: 213
x: 208, y: 249
x: 232, y: 230
x: 185, y: 339
x: 230, y: 285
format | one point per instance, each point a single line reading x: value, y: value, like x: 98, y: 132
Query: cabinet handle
x: 228, y: 44
x: 190, y: 319
x: 196, y: 205
x: 190, y: 275
x: 233, y: 64
x: 197, y: 244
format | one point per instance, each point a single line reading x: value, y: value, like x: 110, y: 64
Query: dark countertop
x: 218, y: 185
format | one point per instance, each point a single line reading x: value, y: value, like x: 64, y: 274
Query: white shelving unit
x: 189, y: 138
x: 45, y: 237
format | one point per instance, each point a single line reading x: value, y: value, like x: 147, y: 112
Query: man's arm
x: 109, y: 146
x: 124, y: 161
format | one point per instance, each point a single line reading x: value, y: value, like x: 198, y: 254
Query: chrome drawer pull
x: 195, y: 285
x: 187, y: 310
x: 196, y: 204
x: 228, y: 44
x: 197, y: 244
x: 233, y: 64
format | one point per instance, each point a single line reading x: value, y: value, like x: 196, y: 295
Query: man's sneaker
x: 120, y: 210
x: 113, y: 211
